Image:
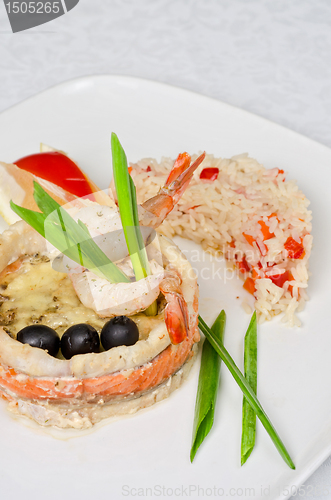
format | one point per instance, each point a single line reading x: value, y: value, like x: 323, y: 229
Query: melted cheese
x: 36, y: 293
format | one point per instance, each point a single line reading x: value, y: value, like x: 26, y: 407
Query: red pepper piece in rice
x: 243, y: 266
x: 279, y: 279
x: 249, y: 238
x: 249, y: 285
x: 209, y: 174
x: 294, y: 249
x: 265, y: 231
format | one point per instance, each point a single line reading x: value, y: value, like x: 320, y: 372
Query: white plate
x: 151, y: 450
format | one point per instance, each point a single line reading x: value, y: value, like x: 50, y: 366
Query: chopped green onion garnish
x: 68, y: 236
x: 247, y: 390
x: 207, y: 387
x: 128, y: 208
x: 250, y: 369
x: 140, y: 241
x: 127, y: 205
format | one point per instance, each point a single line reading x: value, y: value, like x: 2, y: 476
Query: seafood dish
x: 253, y: 216
x: 80, y: 386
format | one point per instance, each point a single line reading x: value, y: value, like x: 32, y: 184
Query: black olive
x: 40, y: 336
x: 79, y: 339
x: 120, y: 330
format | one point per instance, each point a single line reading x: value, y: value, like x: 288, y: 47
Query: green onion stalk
x: 250, y: 370
x: 247, y: 391
x: 207, y: 387
x: 128, y: 208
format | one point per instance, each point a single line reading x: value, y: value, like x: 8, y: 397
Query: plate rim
x: 164, y: 85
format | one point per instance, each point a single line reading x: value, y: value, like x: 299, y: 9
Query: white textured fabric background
x: 270, y: 57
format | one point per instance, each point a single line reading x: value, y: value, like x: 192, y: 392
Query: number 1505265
x: 33, y: 7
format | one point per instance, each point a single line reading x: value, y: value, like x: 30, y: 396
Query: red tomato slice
x: 59, y: 169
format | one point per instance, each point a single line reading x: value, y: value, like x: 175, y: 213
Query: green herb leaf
x: 37, y: 219
x: 84, y: 226
x: 250, y: 367
x: 44, y: 201
x: 68, y: 236
x: 247, y: 390
x: 127, y: 205
x: 140, y: 241
x: 152, y: 309
x: 207, y: 387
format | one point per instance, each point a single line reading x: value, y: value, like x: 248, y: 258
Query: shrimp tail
x: 181, y: 164
x: 178, y: 180
x: 179, y: 177
x: 176, y: 312
x: 176, y: 318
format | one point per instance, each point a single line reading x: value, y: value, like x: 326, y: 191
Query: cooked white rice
x: 249, y: 214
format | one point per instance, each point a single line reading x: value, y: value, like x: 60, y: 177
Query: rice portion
x: 252, y: 215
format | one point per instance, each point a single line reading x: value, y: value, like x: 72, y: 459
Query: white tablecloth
x: 270, y: 57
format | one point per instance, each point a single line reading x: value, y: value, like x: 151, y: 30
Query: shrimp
x: 176, y: 313
x: 158, y: 207
x: 113, y: 299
